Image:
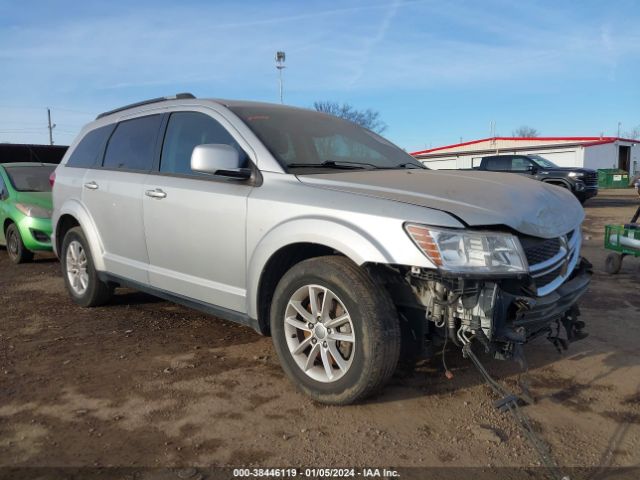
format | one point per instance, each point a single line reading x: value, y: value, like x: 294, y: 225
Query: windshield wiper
x: 412, y: 165
x: 335, y: 164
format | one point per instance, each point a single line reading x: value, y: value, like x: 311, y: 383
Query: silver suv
x: 346, y: 250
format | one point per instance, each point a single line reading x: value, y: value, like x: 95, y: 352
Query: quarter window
x: 90, y: 147
x: 185, y: 131
x: 133, y: 143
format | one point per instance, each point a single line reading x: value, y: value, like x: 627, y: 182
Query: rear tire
x: 18, y: 253
x: 346, y: 346
x: 613, y: 263
x: 79, y: 273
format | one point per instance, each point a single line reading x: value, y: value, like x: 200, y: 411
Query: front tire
x: 18, y: 253
x: 335, y: 330
x: 79, y: 273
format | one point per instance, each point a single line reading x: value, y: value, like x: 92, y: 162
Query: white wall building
x: 587, y: 152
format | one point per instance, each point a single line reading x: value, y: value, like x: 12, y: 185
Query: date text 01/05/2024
x: 315, y: 473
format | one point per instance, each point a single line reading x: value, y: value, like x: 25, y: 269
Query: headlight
x: 468, y: 251
x: 576, y: 174
x: 33, y: 210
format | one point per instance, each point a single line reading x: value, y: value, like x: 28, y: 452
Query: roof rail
x: 177, y: 96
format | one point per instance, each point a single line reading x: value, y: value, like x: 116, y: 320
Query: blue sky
x: 437, y: 71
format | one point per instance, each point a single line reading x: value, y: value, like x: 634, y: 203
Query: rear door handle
x: 91, y: 185
x: 157, y: 193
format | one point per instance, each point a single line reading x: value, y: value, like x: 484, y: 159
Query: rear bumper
x: 35, y: 233
x: 519, y: 318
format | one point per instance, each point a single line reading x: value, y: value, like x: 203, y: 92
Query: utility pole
x: 51, y: 126
x: 280, y: 57
x: 619, y: 125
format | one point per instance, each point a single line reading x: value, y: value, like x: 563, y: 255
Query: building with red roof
x: 588, y: 152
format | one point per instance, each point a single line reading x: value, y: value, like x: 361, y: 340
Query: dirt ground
x: 143, y: 382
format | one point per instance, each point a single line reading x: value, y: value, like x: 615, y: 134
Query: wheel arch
x: 559, y: 182
x: 293, y: 242
x: 73, y: 214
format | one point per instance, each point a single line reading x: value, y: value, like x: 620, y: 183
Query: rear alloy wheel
x: 18, y: 253
x: 80, y: 276
x: 335, y: 330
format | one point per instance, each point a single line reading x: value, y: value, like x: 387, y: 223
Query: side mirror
x: 218, y: 159
x: 532, y: 169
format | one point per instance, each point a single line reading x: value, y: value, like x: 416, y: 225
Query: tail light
x: 52, y: 178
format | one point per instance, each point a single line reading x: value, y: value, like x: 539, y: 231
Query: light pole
x: 50, y: 126
x: 280, y: 57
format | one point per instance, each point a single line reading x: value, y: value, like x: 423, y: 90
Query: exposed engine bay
x: 500, y: 314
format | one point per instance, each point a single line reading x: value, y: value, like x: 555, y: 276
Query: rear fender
x: 75, y: 209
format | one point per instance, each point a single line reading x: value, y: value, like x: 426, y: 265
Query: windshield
x: 542, y: 162
x: 304, y: 141
x: 30, y: 179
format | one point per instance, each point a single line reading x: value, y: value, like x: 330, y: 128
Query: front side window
x: 520, y: 164
x: 30, y: 178
x: 90, y: 147
x: 185, y: 131
x: 133, y: 143
x: 3, y: 189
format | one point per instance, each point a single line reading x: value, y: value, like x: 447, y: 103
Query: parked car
x: 25, y: 209
x: 342, y: 247
x: 582, y: 182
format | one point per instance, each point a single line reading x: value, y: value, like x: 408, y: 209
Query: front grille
x: 538, y: 250
x: 547, y: 278
x: 552, y: 260
x: 591, y: 179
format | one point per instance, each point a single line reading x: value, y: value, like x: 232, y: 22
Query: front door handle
x: 157, y: 193
x: 91, y: 186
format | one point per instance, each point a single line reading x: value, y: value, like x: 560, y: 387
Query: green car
x: 25, y: 209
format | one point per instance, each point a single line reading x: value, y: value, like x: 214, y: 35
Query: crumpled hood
x: 477, y: 198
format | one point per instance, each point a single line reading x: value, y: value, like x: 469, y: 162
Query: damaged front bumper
x: 501, y: 314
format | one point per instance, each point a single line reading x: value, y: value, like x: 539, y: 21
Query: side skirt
x: 215, y: 310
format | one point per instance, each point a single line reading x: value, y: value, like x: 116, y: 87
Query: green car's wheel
x: 18, y: 253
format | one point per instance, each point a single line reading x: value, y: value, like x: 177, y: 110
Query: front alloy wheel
x: 335, y: 330
x: 319, y: 333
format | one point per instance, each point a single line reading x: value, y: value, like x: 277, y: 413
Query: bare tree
x: 525, y: 132
x: 633, y: 134
x: 366, y: 118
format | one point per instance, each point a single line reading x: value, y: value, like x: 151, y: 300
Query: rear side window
x: 90, y: 147
x: 498, y: 163
x: 185, y: 131
x: 132, y: 145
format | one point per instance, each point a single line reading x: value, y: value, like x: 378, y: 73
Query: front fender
x: 75, y: 209
x: 356, y: 243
